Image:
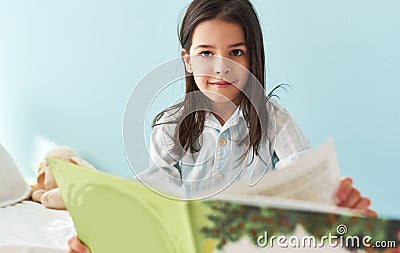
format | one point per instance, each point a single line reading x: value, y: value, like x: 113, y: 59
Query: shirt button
x: 222, y: 141
x: 219, y: 176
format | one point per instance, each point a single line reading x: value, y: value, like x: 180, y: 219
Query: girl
x: 226, y: 129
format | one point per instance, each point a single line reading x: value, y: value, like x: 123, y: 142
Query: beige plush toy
x: 45, y: 189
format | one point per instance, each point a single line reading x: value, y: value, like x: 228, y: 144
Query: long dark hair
x: 190, y: 125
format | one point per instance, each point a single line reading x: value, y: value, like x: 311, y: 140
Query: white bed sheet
x: 29, y: 227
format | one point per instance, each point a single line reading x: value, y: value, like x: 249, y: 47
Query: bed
x: 29, y: 227
x: 26, y: 226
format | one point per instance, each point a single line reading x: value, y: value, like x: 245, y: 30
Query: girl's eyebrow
x: 238, y: 44
x: 230, y: 46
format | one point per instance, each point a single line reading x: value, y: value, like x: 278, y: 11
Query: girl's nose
x: 221, y: 65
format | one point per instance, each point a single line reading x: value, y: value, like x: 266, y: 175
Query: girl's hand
x: 350, y: 197
x: 76, y: 246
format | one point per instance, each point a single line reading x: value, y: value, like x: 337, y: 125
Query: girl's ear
x: 186, y: 59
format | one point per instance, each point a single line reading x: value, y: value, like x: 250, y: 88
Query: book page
x: 253, y: 224
x: 314, y: 176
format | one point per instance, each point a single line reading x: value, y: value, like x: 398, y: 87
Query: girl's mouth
x: 221, y: 84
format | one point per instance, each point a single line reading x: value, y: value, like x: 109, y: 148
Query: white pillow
x: 13, y: 188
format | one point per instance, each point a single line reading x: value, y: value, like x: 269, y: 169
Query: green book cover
x: 113, y: 214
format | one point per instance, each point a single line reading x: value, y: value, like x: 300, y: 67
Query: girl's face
x: 218, y: 59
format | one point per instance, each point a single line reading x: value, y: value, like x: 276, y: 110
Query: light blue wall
x: 67, y: 68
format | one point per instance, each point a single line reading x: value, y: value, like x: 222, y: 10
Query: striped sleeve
x: 163, y: 173
x: 289, y: 138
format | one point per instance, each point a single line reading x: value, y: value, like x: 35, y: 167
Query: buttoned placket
x: 220, y: 170
x: 223, y: 148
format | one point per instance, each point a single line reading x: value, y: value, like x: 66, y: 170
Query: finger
x: 76, y: 245
x: 345, y: 188
x: 370, y: 213
x: 352, y: 199
x: 70, y: 239
x: 364, y: 203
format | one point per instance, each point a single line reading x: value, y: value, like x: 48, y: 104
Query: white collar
x: 212, y: 121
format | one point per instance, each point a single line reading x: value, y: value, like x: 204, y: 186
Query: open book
x: 113, y: 214
x: 311, y: 176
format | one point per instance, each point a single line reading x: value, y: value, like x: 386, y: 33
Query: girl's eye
x: 236, y: 52
x: 206, y: 53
